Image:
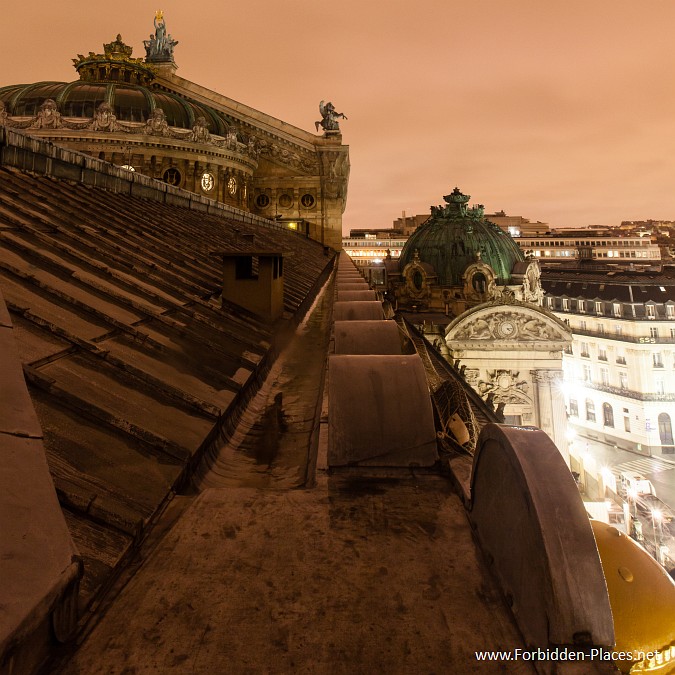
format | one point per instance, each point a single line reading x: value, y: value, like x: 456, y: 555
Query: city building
x: 517, y: 226
x: 469, y: 280
x: 368, y: 249
x: 139, y: 114
x: 620, y: 368
x: 408, y: 224
x: 153, y: 339
x: 611, y: 248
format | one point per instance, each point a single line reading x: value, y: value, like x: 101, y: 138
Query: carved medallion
x: 208, y: 182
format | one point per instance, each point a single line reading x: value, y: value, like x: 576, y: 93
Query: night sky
x: 562, y: 112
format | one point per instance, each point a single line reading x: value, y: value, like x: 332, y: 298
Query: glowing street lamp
x: 632, y: 497
x: 657, y: 517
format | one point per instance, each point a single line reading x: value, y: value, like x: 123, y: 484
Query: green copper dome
x: 451, y: 239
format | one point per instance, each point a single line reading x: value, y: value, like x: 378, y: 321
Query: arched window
x: 665, y: 429
x: 479, y: 282
x: 607, y: 415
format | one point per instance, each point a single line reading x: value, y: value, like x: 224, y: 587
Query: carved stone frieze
x: 543, y: 376
x: 104, y: 119
x: 200, y: 132
x: 505, y: 325
x: 274, y: 151
x: 48, y: 116
x: 503, y: 386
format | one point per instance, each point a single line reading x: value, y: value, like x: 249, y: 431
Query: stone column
x: 549, y: 401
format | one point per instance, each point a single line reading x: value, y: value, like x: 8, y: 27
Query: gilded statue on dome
x: 160, y: 45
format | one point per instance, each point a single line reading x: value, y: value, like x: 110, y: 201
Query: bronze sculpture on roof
x: 329, y: 117
x: 160, y: 45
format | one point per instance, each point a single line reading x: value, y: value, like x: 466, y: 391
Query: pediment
x: 513, y: 322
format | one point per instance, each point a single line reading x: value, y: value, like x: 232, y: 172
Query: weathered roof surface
x: 130, y: 360
x: 620, y: 286
x: 357, y: 576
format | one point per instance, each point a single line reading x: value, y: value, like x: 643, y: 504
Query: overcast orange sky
x: 559, y: 111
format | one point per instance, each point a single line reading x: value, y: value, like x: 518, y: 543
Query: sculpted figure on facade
x: 532, y: 290
x: 104, y: 119
x: 511, y: 325
x: 231, y: 139
x: 48, y: 116
x: 329, y: 117
x: 160, y: 45
x: 200, y: 132
x: 157, y: 124
x: 504, y: 386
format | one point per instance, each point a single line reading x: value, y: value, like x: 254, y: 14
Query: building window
x: 582, y: 305
x: 626, y: 423
x: 584, y: 349
x: 620, y: 358
x: 618, y: 330
x: 653, y: 332
x: 566, y: 304
x: 670, y: 311
x: 660, y: 389
x: 602, y: 354
x: 607, y: 415
x: 665, y: 429
x: 590, y: 410
x: 598, y: 308
x: 657, y: 361
x: 651, y: 311
x: 582, y: 325
x: 623, y: 380
x: 574, y: 408
x: 262, y: 201
x: 587, y: 373
x: 617, y: 309
x: 604, y: 377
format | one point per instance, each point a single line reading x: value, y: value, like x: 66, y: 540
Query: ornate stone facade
x: 139, y: 114
x: 511, y: 354
x: 459, y: 266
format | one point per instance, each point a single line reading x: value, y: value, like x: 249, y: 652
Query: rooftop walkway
x: 356, y: 575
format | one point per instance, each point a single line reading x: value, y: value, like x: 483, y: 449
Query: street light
x: 656, y: 518
x: 632, y: 496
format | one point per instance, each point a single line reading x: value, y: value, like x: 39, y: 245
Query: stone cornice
x: 243, y: 114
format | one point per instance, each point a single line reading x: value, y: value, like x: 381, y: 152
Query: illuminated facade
x: 620, y: 368
x: 560, y: 247
x: 369, y: 252
x: 137, y: 113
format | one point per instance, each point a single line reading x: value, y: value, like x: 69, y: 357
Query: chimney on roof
x: 254, y: 280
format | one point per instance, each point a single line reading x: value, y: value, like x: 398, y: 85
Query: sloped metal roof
x: 131, y: 362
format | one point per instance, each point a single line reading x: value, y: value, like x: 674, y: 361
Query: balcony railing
x: 629, y: 393
x: 621, y: 360
x: 624, y: 338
